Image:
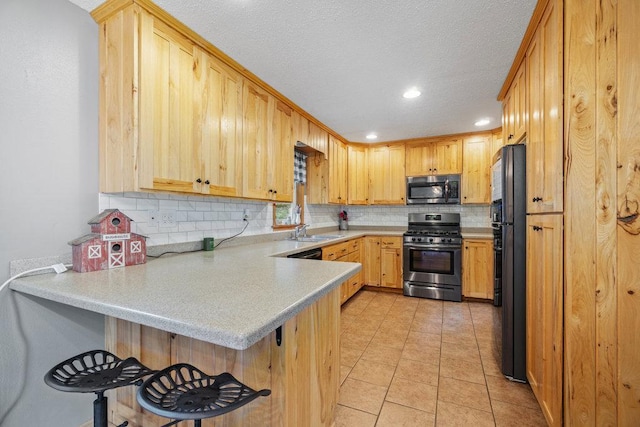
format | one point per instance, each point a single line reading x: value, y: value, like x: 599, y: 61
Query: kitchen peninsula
x: 220, y: 311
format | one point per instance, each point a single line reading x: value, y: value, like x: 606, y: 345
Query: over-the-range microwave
x: 433, y: 189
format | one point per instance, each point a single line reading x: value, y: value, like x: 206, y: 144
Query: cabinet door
x: 477, y: 269
x: 317, y: 187
x: 419, y: 159
x: 372, y: 260
x: 447, y: 157
x: 220, y: 129
x: 386, y: 175
x: 358, y: 176
x: 167, y: 81
x: 256, y: 131
x: 391, y: 262
x: 476, y: 177
x: 337, y: 171
x: 544, y: 136
x: 300, y: 128
x: 545, y: 313
x: 281, y: 172
x: 318, y: 138
x: 496, y: 143
x: 518, y: 88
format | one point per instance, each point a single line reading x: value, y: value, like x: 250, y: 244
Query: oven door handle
x: 433, y: 248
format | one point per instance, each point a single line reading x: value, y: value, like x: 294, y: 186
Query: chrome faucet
x: 300, y: 230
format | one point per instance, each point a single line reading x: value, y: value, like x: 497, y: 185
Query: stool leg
x: 100, y: 410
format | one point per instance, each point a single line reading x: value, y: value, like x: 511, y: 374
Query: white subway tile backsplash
x: 200, y: 216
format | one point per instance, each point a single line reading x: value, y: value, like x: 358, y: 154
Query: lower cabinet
x: 349, y: 251
x: 545, y: 313
x: 477, y: 268
x: 383, y: 261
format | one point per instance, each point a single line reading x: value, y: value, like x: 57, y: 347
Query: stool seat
x: 95, y: 371
x: 183, y: 392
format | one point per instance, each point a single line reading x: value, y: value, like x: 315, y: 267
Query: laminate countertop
x: 231, y: 296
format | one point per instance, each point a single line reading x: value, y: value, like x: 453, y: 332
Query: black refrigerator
x: 513, y: 226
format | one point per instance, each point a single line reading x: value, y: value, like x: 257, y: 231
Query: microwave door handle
x: 447, y: 190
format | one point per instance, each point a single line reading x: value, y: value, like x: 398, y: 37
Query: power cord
x: 58, y: 268
x: 198, y: 250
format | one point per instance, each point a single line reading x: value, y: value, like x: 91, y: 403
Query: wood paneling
x: 302, y: 373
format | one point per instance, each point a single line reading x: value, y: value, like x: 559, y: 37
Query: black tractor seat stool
x: 96, y: 371
x: 183, y: 392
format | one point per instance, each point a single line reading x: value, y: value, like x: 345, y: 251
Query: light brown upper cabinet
x: 386, y: 175
x: 337, y: 171
x: 358, y: 175
x: 514, y: 108
x: 268, y: 146
x: 179, y: 126
x: 544, y: 136
x: 476, y: 170
x: 434, y: 157
x: 318, y: 138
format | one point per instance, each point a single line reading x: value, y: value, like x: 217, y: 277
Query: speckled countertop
x: 231, y: 296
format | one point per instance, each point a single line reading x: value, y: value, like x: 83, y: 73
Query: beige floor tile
x: 413, y: 394
x: 421, y: 353
x: 424, y: 339
x: 394, y: 327
x: 430, y: 326
x: 511, y: 392
x: 349, y: 417
x: 362, y: 395
x: 460, y: 351
x: 464, y: 393
x: 354, y: 340
x: 394, y: 415
x: 390, y: 339
x: 514, y: 415
x: 373, y: 372
x: 462, y: 369
x: 417, y: 371
x: 344, y: 372
x: 349, y: 356
x: 382, y: 354
x: 452, y: 415
x: 490, y: 365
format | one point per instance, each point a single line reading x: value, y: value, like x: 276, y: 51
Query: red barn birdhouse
x: 111, y: 244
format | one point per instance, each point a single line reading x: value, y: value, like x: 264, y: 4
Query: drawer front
x: 333, y: 252
x: 354, y: 245
x: 391, y: 242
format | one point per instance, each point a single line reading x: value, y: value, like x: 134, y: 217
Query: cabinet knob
x: 198, y: 180
x: 510, y: 136
x: 537, y: 199
x: 536, y: 228
x: 207, y: 182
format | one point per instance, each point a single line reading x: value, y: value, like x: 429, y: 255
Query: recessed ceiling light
x: 372, y: 136
x: 482, y: 122
x: 412, y: 93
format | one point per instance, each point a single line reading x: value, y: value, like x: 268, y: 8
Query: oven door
x: 441, y: 264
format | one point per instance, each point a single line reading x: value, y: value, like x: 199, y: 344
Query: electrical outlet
x: 246, y: 214
x: 167, y: 218
x: 152, y: 218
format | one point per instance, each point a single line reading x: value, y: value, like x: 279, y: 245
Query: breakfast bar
x: 271, y: 321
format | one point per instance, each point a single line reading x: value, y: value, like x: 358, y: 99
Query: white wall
x: 48, y: 191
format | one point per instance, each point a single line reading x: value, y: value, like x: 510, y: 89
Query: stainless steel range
x: 433, y: 256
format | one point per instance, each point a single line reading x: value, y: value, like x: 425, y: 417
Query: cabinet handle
x: 510, y: 136
x: 198, y: 180
x: 466, y: 247
x: 207, y: 182
x: 275, y: 192
x: 536, y: 228
x: 537, y: 199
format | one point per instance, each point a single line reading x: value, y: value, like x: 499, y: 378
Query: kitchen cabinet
x: 371, y: 265
x: 318, y: 138
x: 545, y: 312
x: 386, y: 175
x: 349, y: 251
x: 434, y: 157
x: 358, y: 175
x: 544, y: 135
x: 317, y: 187
x: 383, y: 261
x: 476, y: 169
x: 337, y: 171
x: 496, y: 143
x: 391, y: 262
x: 179, y: 128
x: 268, y: 146
x: 477, y: 268
x: 514, y: 108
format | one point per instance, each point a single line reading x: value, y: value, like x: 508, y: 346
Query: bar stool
x: 183, y: 392
x: 96, y: 371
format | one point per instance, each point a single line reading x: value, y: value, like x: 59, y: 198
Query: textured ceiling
x: 347, y: 63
